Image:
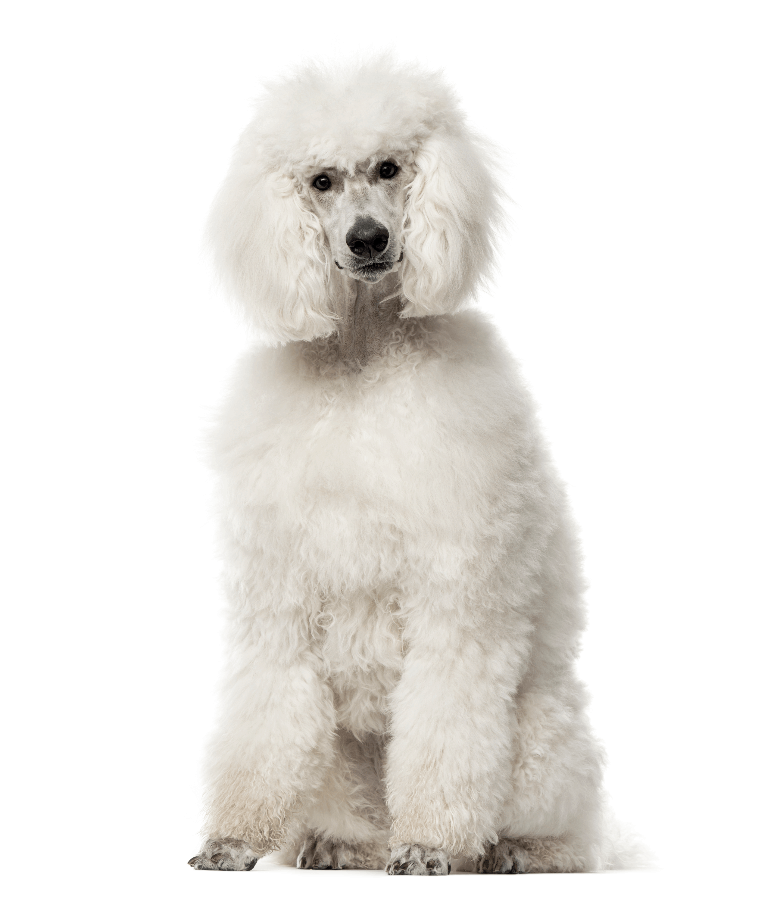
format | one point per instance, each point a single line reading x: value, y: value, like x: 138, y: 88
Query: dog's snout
x: 367, y: 237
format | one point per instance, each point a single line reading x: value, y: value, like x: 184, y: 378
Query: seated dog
x: 402, y: 571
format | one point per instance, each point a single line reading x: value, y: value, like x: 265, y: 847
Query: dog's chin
x: 370, y: 272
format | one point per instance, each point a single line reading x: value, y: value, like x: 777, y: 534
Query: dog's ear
x: 270, y: 250
x: 451, y: 217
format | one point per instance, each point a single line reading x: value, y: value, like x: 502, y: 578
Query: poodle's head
x: 369, y: 170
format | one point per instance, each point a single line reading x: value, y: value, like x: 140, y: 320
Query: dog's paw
x: 415, y: 859
x: 318, y: 853
x: 531, y: 854
x: 507, y: 857
x: 226, y: 855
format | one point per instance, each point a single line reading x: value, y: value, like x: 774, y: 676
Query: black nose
x: 367, y: 237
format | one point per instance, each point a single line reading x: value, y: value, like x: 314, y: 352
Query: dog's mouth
x: 372, y: 270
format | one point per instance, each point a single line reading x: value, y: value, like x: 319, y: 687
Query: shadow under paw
x: 415, y: 859
x: 226, y: 855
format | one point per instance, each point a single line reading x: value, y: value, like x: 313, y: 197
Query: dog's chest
x: 359, y: 636
x: 354, y: 484
x: 344, y: 478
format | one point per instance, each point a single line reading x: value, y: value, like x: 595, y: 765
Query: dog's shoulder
x: 472, y: 373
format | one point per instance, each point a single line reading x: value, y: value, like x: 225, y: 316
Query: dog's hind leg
x: 551, y: 821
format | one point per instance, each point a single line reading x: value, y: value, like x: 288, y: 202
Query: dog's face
x: 362, y: 213
x: 371, y: 169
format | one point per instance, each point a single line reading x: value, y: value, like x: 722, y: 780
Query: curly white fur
x: 402, y: 570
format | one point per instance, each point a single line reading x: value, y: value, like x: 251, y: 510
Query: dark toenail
x: 250, y: 865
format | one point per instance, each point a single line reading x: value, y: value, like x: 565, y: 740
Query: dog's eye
x: 321, y: 182
x: 387, y: 170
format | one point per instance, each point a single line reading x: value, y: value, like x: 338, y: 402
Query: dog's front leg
x: 449, y: 759
x: 274, y: 739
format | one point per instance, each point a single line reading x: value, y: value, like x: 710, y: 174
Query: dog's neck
x: 367, y: 315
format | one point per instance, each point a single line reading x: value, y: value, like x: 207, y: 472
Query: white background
x: 639, y: 288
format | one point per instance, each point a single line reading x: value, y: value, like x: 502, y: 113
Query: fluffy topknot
x: 344, y: 115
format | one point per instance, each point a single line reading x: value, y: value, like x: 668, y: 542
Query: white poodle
x: 402, y: 570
